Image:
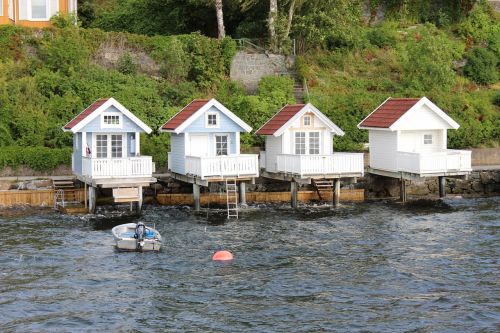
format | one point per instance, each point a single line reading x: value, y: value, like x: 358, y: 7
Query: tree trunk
x: 290, y: 18
x: 273, y: 14
x: 220, y: 19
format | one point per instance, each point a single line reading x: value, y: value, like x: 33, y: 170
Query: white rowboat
x: 136, y: 237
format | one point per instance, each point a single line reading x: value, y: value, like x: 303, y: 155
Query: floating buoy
x: 222, y: 256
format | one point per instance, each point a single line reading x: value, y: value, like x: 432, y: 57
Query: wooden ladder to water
x: 232, y: 198
x: 322, y: 186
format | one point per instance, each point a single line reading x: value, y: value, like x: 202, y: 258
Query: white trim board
x: 110, y: 102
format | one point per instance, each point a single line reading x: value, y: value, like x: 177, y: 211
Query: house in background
x: 299, y: 149
x: 408, y: 140
x: 205, y: 147
x: 106, y: 151
x: 34, y: 13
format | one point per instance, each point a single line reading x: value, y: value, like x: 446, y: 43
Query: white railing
x: 117, y: 167
x: 311, y: 165
x: 246, y: 165
x: 434, y: 162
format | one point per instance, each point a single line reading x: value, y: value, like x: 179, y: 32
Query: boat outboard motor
x: 140, y: 231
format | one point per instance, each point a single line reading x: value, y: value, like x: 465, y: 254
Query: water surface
x: 371, y: 267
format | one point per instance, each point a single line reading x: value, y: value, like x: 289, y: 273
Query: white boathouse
x: 205, y: 147
x: 408, y: 140
x: 299, y: 149
x: 106, y: 151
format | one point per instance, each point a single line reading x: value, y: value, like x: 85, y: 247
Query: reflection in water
x: 424, y: 266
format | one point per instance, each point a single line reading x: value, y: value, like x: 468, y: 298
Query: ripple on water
x: 376, y: 267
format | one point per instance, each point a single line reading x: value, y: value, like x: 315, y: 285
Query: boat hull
x: 124, y: 240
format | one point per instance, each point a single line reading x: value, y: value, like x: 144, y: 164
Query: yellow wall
x: 4, y: 19
x: 63, y: 8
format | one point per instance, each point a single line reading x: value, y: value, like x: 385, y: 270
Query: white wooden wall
x: 413, y: 141
x: 273, y: 148
x: 383, y: 149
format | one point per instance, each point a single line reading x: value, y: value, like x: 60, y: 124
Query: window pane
x: 116, y: 146
x: 102, y: 146
x: 38, y: 9
x: 307, y: 121
x: 314, y: 143
x: 427, y: 139
x: 212, y: 119
x: 300, y: 143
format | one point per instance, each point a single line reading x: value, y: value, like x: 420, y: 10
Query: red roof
x: 85, y: 113
x: 389, y: 112
x: 280, y: 119
x: 184, y: 114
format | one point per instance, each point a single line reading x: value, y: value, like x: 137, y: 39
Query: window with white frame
x: 212, y: 119
x: 101, y: 145
x: 111, y: 120
x: 221, y: 145
x: 39, y: 9
x: 300, y: 143
x: 307, y: 120
x: 314, y: 143
x: 307, y: 143
x: 116, y: 146
x: 427, y: 139
x: 1, y: 8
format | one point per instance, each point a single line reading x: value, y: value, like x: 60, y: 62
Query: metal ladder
x: 232, y: 198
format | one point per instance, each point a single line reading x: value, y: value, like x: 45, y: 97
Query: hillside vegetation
x: 49, y: 76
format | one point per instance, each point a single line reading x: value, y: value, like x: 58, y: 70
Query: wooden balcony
x: 446, y: 161
x: 239, y: 166
x: 336, y: 164
x: 131, y: 167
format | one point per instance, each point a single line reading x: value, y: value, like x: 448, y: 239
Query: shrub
x: 173, y: 60
x: 228, y: 47
x: 481, y: 66
x: 385, y: 35
x: 37, y: 158
x: 65, y: 50
x: 428, y: 64
x: 126, y: 64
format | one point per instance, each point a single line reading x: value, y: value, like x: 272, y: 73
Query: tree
x: 220, y: 19
x: 291, y: 9
x: 273, y: 15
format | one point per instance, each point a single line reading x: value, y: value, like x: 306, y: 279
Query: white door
x: 199, y: 145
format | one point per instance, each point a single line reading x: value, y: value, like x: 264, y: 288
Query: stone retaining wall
x: 479, y: 183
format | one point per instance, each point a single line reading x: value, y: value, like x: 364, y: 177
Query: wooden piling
x: 293, y: 194
x: 336, y: 193
x: 196, y: 197
x: 243, y: 193
x: 402, y: 190
x: 92, y: 199
x: 442, y: 184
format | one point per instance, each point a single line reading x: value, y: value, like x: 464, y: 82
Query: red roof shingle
x: 389, y: 112
x: 85, y: 113
x: 184, y: 114
x: 280, y: 119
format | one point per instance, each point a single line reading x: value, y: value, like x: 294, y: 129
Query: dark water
x: 372, y: 267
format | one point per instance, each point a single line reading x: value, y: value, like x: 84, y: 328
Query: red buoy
x: 222, y: 256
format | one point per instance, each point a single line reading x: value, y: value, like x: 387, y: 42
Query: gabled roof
x: 282, y: 120
x: 95, y: 109
x: 392, y: 110
x: 195, y: 109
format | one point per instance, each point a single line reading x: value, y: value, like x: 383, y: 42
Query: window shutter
x: 54, y: 7
x: 23, y: 10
